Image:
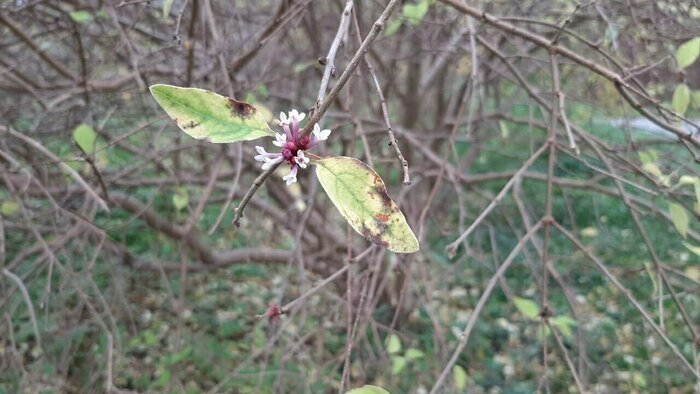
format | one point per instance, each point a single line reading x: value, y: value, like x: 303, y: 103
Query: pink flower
x: 292, y: 145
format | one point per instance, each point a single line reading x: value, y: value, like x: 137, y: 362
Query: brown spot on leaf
x: 386, y: 200
x: 382, y: 217
x: 374, y: 238
x: 191, y: 125
x: 241, y: 109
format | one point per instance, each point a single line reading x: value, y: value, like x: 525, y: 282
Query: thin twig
x: 474, y: 316
x: 451, y: 249
x: 330, y: 59
x: 323, y: 106
x: 629, y: 296
x: 27, y: 300
x: 385, y: 112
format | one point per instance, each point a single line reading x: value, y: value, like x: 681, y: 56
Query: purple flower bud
x: 288, y: 154
x: 304, y: 141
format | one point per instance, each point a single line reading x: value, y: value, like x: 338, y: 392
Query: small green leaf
x: 181, y: 198
x: 505, y: 132
x: 9, y: 207
x: 398, y: 363
x: 681, y: 99
x: 564, y: 324
x: 85, y: 137
x: 413, y: 354
x: 695, y: 98
x: 80, y: 16
x: 692, y: 248
x: 648, y: 156
x: 460, y: 378
x: 392, y: 27
x: 393, y: 344
x: 361, y: 197
x: 526, y: 307
x: 208, y: 116
x: 679, y: 217
x: 415, y: 12
x: 166, y: 7
x: 368, y: 389
x: 688, y: 53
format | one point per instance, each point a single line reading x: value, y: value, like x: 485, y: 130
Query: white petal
x: 280, y: 140
x: 270, y: 162
x: 321, y: 135
x: 301, y: 159
x: 260, y: 150
x: 290, y: 178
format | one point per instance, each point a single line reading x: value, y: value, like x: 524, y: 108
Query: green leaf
x: 526, y: 307
x: 80, y: 16
x: 679, y: 217
x: 181, y: 198
x: 208, y: 116
x: 688, y: 53
x: 361, y: 197
x: 415, y: 12
x: 413, y: 354
x: 9, y: 207
x: 695, y: 98
x: 392, y: 27
x: 505, y: 132
x: 166, y: 7
x: 648, y: 156
x: 85, y: 137
x: 564, y: 324
x: 681, y: 99
x: 393, y: 344
x: 398, y: 363
x: 368, y: 389
x: 460, y: 378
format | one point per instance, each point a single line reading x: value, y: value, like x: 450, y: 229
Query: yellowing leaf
x: 460, y: 378
x: 681, y: 99
x: 653, y: 169
x: 526, y: 307
x: 688, y: 180
x: 361, y: 197
x: 679, y: 217
x: 208, y: 116
x: 589, y: 232
x: 688, y: 53
x: 393, y: 344
x: 693, y: 272
x: 368, y: 389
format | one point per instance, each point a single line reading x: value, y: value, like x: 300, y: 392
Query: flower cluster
x: 292, y: 145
